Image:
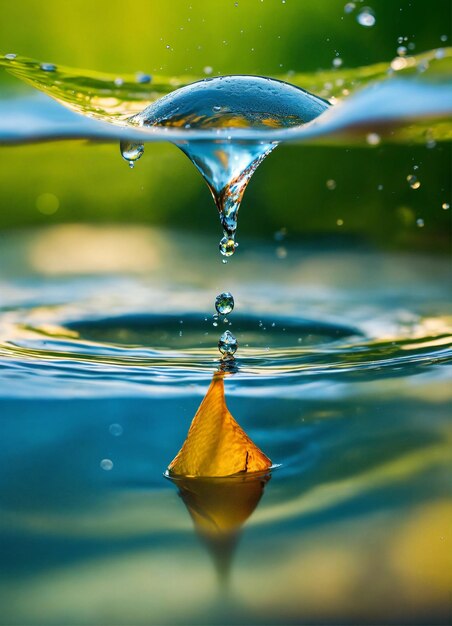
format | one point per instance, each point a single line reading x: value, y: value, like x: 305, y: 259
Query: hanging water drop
x: 227, y: 344
x: 224, y: 303
x: 225, y: 103
x: 131, y: 152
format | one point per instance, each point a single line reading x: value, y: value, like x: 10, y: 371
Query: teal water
x: 342, y: 379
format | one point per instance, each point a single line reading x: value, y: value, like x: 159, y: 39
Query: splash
x: 229, y: 102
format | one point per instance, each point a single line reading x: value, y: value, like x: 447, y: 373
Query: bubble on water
x: 224, y: 303
x: 413, y: 181
x: 331, y: 184
x: 131, y: 151
x: 401, y: 51
x: 349, y: 7
x: 106, y: 464
x: 115, y: 429
x: 366, y: 17
x: 373, y: 139
x: 10, y: 56
x: 445, y: 206
x: 224, y: 103
x: 227, y: 344
x: 420, y: 222
x: 48, y: 67
x: 143, y: 78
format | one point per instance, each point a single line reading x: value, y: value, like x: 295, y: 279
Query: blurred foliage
x: 92, y: 183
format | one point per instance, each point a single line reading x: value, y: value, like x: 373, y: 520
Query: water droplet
x: 337, y: 62
x: 445, y: 206
x: 142, y: 78
x: 10, y: 56
x: 401, y: 51
x: 280, y: 234
x: 413, y: 181
x: 224, y: 303
x: 373, y: 139
x: 366, y: 17
x: 118, y: 82
x: 106, y: 464
x: 116, y: 430
x: 440, y: 53
x: 131, y: 152
x: 48, y: 67
x: 208, y: 69
x: 223, y: 103
x: 420, y: 223
x: 227, y: 246
x: 340, y: 222
x: 281, y: 252
x: 331, y: 184
x: 443, y: 37
x: 349, y: 7
x: 227, y: 344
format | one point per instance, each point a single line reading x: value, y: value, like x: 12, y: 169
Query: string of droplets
x: 227, y: 345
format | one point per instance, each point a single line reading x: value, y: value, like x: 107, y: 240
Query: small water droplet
x: 227, y: 344
x: 445, y: 206
x: 119, y: 82
x: 340, y: 222
x: 143, y: 78
x: 373, y: 139
x: 106, y: 464
x: 10, y: 56
x: 280, y: 234
x: 401, y: 51
x: 337, y: 62
x: 224, y: 303
x: 116, y: 430
x: 227, y: 246
x: 331, y: 184
x: 420, y: 223
x: 48, y: 67
x: 366, y: 17
x: 413, y: 181
x: 281, y: 252
x: 349, y: 7
x: 131, y: 152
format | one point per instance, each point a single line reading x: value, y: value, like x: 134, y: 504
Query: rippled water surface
x: 107, y: 346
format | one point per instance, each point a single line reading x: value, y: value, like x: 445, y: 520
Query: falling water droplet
x: 225, y: 103
x: 131, y: 152
x: 227, y: 344
x: 413, y: 181
x: 224, y: 303
x: 366, y: 17
x: 48, y: 67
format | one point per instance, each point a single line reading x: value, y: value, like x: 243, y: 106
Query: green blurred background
x: 92, y: 183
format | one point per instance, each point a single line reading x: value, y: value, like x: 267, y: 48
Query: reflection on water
x: 219, y: 507
x: 354, y: 526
